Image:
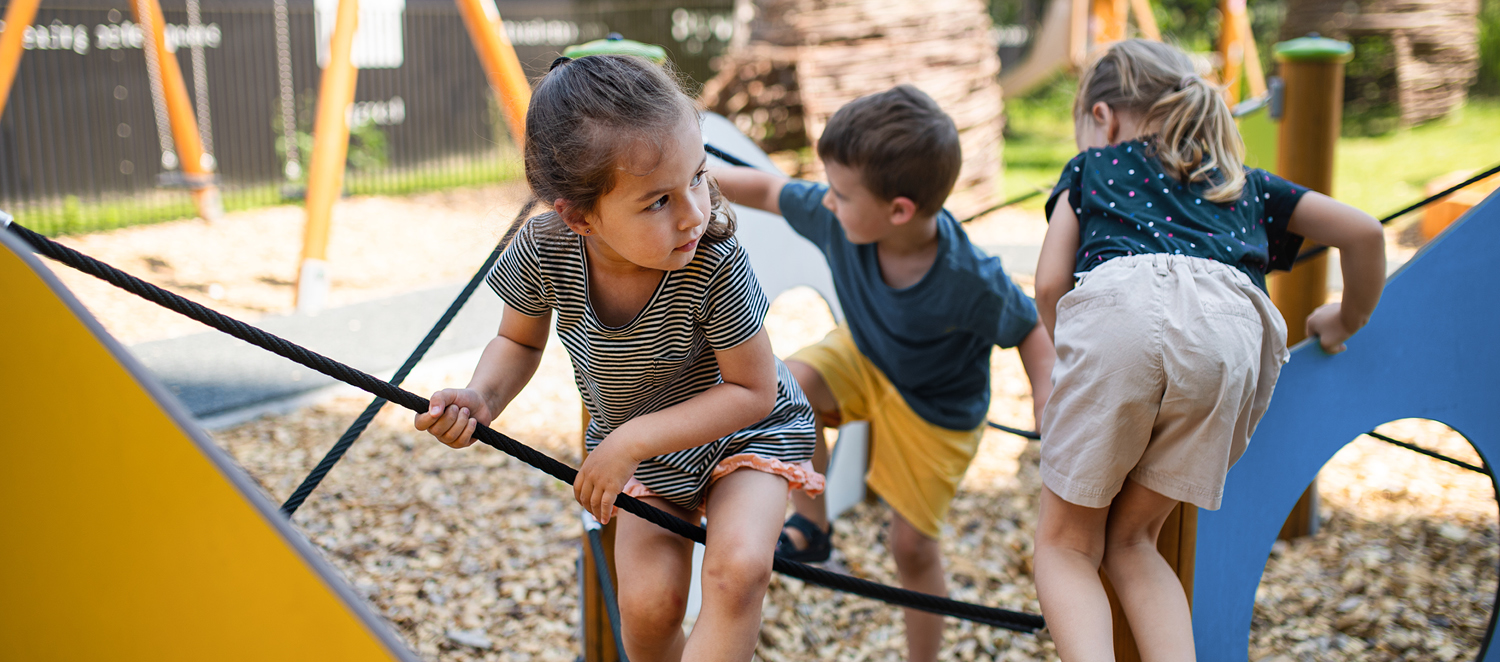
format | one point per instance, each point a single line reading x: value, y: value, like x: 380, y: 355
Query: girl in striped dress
x: 662, y: 317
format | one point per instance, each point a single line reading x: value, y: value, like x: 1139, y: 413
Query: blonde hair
x: 1197, y: 140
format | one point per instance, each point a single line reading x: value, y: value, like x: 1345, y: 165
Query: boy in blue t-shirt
x: 923, y: 307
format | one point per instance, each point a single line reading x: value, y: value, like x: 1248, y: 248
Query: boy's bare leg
x: 1069, y: 550
x: 1149, y: 590
x: 654, y: 571
x: 824, y: 406
x: 919, y: 566
x: 744, y: 512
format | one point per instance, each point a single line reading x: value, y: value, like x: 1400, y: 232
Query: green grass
x: 1382, y: 174
x: 1038, y: 139
x: 1379, y: 174
x: 72, y: 215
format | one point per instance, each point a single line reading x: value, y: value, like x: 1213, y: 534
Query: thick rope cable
x: 606, y: 585
x: 1495, y: 169
x: 1001, y: 618
x: 1432, y: 454
x: 357, y: 428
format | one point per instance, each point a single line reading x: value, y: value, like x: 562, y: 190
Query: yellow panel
x: 127, y: 535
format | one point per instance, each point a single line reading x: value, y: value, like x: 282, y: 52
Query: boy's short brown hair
x: 903, y: 144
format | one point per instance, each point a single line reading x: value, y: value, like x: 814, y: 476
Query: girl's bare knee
x: 736, y: 576
x: 653, y: 615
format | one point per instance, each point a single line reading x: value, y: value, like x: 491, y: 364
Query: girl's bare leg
x: 1149, y: 590
x: 744, y: 514
x: 655, y: 568
x: 1069, y: 549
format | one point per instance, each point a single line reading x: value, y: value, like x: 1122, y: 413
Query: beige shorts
x: 1165, y: 363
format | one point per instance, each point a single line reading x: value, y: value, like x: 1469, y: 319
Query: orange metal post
x: 325, y: 177
x: 1107, y: 22
x: 1313, y: 70
x: 1145, y: 20
x: 1231, y: 48
x: 185, y: 136
x: 500, y: 63
x: 18, y: 17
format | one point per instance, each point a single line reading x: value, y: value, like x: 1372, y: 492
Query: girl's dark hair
x: 585, y: 117
x: 1197, y: 138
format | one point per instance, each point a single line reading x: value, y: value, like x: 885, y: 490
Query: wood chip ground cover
x: 470, y: 555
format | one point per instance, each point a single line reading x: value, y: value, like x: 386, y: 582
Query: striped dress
x: 663, y: 357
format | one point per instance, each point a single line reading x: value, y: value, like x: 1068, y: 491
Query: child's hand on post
x: 1328, y: 325
x: 604, y: 473
x: 453, y: 415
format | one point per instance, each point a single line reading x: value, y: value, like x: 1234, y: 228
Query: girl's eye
x: 660, y: 202
x: 698, y: 178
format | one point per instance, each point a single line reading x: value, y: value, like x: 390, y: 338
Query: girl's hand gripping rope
x: 604, y: 473
x: 453, y: 416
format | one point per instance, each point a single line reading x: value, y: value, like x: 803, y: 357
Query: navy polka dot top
x: 1127, y: 205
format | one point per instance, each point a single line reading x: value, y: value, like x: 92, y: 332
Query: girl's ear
x: 1107, y: 120
x: 902, y: 210
x: 571, y: 217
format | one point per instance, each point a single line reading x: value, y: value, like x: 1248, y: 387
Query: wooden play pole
x: 1107, y: 21
x: 187, y: 143
x: 18, y: 16
x: 598, y: 637
x: 325, y: 176
x: 1313, y: 70
x: 1231, y: 48
x: 500, y: 63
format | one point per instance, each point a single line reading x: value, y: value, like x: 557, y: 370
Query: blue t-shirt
x: 1127, y: 205
x: 933, y: 339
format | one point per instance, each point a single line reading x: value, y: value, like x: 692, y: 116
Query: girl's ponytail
x: 1197, y: 140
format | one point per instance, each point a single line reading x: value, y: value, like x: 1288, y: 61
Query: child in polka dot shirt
x: 1152, y: 284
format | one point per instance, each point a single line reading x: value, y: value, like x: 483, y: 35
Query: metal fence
x: 81, y: 146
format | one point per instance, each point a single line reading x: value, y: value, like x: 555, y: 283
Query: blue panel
x: 1429, y: 352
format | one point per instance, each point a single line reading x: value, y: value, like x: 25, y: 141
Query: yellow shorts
x: 914, y: 465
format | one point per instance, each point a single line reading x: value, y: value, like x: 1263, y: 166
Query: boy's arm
x: 1361, y: 244
x: 507, y: 364
x: 1054, y: 268
x: 750, y: 187
x: 1037, y: 357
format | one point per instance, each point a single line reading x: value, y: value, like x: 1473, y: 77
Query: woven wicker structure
x: 1434, y: 46
x: 800, y: 60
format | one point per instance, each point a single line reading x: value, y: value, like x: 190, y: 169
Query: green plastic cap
x: 1313, y: 48
x: 614, y: 44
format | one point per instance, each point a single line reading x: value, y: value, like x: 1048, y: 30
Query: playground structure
x: 1217, y: 634
x: 1071, y: 29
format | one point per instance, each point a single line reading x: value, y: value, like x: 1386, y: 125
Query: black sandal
x: 819, y: 544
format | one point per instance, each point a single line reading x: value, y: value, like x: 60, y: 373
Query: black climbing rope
x: 357, y: 428
x: 1432, y: 454
x: 606, y: 587
x: 1015, y: 431
x: 1002, y: 618
x: 1318, y: 250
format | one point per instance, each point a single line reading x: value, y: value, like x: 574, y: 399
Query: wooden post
x: 188, y: 144
x: 325, y: 177
x: 1178, y: 544
x: 18, y: 17
x: 1107, y: 22
x: 598, y: 639
x: 500, y: 63
x: 1313, y: 70
x: 1231, y: 48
